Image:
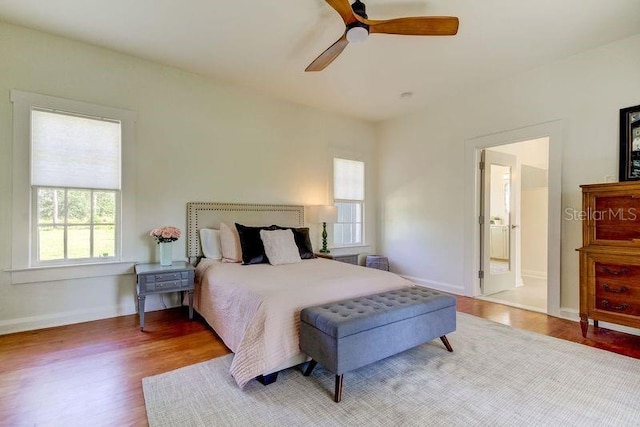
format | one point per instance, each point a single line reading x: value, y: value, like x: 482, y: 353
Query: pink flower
x: 165, y: 234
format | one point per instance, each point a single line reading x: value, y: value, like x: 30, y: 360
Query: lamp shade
x: 323, y: 213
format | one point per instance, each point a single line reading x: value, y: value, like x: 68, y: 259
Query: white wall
x: 196, y: 140
x: 421, y: 157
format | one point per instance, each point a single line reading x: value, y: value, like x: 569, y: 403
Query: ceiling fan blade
x: 414, y: 26
x: 327, y: 57
x: 343, y: 7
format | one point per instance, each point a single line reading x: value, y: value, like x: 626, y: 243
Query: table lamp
x: 324, y: 214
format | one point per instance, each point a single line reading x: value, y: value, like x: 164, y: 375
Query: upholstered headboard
x: 211, y: 214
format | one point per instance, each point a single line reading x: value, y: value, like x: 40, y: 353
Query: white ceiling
x: 266, y: 45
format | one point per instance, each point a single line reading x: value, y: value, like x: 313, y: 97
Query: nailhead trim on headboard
x: 201, y: 214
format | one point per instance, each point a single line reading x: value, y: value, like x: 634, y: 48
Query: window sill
x: 347, y: 250
x: 69, y: 272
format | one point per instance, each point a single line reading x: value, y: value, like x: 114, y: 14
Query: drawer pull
x: 622, y: 306
x: 616, y: 272
x: 619, y: 290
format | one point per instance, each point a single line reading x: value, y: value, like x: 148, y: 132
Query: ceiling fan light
x: 357, y: 34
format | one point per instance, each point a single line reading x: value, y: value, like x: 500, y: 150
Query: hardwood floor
x: 606, y: 339
x: 90, y: 373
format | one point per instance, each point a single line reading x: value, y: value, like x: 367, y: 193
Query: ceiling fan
x: 358, y: 28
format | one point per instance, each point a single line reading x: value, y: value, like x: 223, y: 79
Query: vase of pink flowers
x: 164, y: 237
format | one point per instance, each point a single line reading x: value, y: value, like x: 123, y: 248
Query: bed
x: 255, y: 308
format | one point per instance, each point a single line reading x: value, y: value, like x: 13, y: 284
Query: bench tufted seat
x: 352, y: 333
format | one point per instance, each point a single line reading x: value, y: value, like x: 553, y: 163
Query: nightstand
x: 347, y: 258
x: 157, y: 279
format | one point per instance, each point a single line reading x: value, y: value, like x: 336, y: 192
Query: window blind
x: 348, y: 179
x: 74, y: 151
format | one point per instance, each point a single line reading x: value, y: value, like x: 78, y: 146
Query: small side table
x: 347, y: 258
x: 158, y: 279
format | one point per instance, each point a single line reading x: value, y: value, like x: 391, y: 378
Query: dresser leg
x: 584, y: 324
x: 141, y: 311
x: 595, y: 323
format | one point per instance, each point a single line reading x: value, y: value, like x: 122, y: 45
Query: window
x: 75, y: 182
x: 348, y: 194
x: 75, y: 223
x: 70, y: 162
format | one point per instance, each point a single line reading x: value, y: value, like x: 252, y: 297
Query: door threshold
x: 512, y: 304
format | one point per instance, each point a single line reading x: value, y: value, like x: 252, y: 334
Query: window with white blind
x: 68, y: 168
x: 348, y: 194
x: 75, y: 181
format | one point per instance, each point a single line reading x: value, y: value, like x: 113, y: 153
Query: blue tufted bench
x: 346, y: 335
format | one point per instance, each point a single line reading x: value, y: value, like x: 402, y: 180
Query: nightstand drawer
x: 167, y: 276
x: 164, y: 277
x: 172, y: 285
x: 349, y: 259
x: 346, y: 258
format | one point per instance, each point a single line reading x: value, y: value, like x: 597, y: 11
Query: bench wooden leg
x: 337, y: 397
x: 312, y: 364
x: 445, y: 341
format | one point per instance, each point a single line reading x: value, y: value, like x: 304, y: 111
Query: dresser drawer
x: 616, y: 217
x: 617, y: 288
x: 615, y: 280
x: 617, y: 271
x: 619, y: 304
x: 610, y: 288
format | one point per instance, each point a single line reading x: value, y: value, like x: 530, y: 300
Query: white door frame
x: 552, y: 130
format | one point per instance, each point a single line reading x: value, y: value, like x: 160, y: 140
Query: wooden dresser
x: 610, y: 255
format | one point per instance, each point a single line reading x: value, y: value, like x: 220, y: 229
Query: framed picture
x: 630, y: 144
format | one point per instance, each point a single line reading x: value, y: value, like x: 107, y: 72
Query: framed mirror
x: 630, y: 144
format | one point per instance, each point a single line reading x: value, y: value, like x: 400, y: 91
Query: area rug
x: 496, y: 376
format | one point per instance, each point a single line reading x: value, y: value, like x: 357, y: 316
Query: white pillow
x: 280, y: 246
x: 210, y: 242
x: 230, y: 244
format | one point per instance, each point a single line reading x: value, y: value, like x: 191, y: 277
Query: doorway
x: 473, y: 147
x: 513, y: 234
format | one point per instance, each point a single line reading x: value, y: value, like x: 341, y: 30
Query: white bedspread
x: 255, y: 309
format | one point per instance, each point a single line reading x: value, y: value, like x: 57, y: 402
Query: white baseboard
x: 534, y: 274
x: 573, y: 314
x: 30, y: 323
x: 440, y: 286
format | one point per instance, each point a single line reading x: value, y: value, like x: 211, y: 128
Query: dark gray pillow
x: 251, y: 244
